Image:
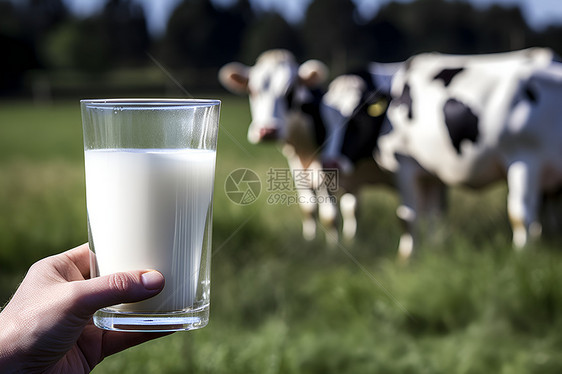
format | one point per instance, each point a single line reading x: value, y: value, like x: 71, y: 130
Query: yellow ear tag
x: 377, y: 109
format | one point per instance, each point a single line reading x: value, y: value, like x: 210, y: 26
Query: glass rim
x: 147, y: 103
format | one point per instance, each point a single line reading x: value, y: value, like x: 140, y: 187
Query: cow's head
x: 354, y: 113
x: 273, y: 84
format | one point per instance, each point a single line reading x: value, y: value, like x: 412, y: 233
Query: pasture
x: 467, y: 303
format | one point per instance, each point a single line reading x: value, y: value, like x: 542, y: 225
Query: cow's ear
x: 234, y: 77
x: 313, y: 73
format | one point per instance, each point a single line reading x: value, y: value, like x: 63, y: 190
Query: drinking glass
x: 150, y: 168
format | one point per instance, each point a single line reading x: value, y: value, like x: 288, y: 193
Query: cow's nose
x: 269, y: 133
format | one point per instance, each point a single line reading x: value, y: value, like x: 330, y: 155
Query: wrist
x: 9, y: 356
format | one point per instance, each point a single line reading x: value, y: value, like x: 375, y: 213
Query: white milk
x: 147, y: 209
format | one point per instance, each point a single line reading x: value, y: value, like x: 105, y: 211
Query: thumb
x: 117, y: 288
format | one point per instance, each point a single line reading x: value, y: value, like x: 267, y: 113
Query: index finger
x: 81, y: 257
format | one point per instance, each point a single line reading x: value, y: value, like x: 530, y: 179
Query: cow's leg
x: 328, y: 214
x: 523, y: 200
x: 409, y: 189
x: 407, y: 216
x: 422, y: 197
x: 306, y: 196
x: 434, y: 202
x: 327, y: 207
x: 307, y: 204
x: 348, y: 207
x: 432, y: 199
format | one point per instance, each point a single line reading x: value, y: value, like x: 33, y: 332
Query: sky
x: 538, y: 13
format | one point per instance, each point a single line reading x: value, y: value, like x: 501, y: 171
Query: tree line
x: 45, y: 35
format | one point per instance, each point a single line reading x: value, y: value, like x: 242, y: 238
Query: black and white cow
x: 354, y: 112
x: 472, y: 121
x: 285, y: 105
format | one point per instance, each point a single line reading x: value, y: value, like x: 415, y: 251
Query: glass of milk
x: 150, y: 168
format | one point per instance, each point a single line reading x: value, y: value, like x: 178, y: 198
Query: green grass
x: 467, y: 303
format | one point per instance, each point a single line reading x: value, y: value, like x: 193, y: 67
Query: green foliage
x: 200, y: 35
x: 448, y: 27
x: 466, y: 303
x: 330, y: 33
x: 206, y: 34
x: 270, y: 31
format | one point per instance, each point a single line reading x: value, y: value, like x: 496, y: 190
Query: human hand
x: 47, y: 325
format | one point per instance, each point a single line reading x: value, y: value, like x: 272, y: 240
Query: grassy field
x: 467, y: 303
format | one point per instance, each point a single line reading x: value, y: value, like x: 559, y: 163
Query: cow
x: 354, y: 113
x: 285, y: 100
x: 472, y: 121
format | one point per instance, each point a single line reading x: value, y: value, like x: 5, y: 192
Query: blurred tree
x: 39, y: 16
x: 17, y: 46
x: 402, y: 29
x: 385, y: 40
x: 269, y: 31
x: 235, y: 20
x: 9, y: 20
x: 80, y: 45
x: 60, y: 44
x: 424, y: 25
x: 43, y: 34
x: 550, y: 37
x: 116, y: 37
x: 201, y: 35
x: 502, y: 29
x: 124, y: 29
x: 330, y: 33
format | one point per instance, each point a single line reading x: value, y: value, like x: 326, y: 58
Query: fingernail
x: 152, y: 280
